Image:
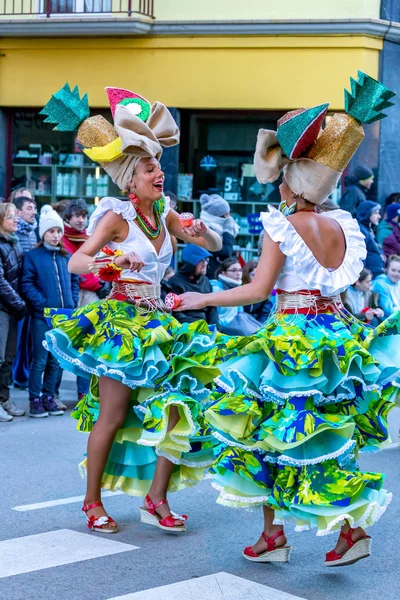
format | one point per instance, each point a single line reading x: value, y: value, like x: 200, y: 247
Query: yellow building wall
x: 204, y: 72
x: 231, y: 10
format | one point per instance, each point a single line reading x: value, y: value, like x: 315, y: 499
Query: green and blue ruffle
x: 293, y: 408
x: 166, y: 364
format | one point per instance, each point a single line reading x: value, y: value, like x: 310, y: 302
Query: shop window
x: 50, y: 164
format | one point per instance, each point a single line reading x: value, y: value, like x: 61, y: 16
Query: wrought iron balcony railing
x: 81, y: 8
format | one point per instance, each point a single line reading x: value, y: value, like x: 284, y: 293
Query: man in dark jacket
x: 191, y: 277
x: 26, y: 211
x: 368, y: 217
x: 358, y: 185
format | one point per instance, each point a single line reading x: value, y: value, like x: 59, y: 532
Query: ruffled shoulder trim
x: 309, y: 269
x: 119, y: 207
x: 275, y: 224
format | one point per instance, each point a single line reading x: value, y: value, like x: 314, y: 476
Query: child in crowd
x: 361, y: 302
x: 388, y: 286
x: 46, y: 282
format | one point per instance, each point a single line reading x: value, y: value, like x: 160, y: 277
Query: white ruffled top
x: 301, y: 269
x: 156, y: 263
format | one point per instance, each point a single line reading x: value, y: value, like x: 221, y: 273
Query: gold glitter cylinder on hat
x: 337, y: 143
x: 96, y: 131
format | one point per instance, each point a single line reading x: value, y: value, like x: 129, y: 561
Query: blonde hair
x: 5, y: 209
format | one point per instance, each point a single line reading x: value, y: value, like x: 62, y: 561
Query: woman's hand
x: 130, y: 261
x: 369, y: 314
x: 197, y: 229
x: 192, y: 301
x: 378, y: 312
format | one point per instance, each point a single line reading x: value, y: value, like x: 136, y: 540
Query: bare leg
x: 164, y: 468
x: 269, y: 529
x: 341, y: 545
x: 114, y: 401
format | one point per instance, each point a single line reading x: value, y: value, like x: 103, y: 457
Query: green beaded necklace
x: 148, y: 229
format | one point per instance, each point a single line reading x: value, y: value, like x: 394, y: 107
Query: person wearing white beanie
x: 215, y: 212
x: 46, y: 282
x: 49, y: 219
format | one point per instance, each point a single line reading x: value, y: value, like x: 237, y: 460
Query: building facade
x: 226, y: 68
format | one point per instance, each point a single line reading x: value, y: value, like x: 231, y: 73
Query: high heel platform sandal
x: 148, y: 515
x: 357, y: 551
x: 272, y: 554
x: 99, y: 523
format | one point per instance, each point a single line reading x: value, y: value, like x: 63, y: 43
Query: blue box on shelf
x: 71, y: 160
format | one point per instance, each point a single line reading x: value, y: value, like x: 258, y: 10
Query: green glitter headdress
x: 66, y: 109
x: 367, y: 99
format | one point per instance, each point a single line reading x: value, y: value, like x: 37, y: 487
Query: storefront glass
x: 221, y: 160
x: 51, y: 164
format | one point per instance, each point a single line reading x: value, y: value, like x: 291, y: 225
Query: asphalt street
x: 46, y: 551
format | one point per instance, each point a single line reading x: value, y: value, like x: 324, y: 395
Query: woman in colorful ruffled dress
x: 149, y: 374
x: 313, y: 387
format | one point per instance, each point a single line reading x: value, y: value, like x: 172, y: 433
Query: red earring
x: 134, y: 198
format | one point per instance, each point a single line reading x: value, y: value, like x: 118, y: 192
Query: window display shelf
x: 64, y: 181
x: 31, y: 166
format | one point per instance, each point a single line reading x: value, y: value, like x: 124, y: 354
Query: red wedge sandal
x: 356, y: 551
x: 272, y: 554
x: 99, y: 523
x: 149, y: 515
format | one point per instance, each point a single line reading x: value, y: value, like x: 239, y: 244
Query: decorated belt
x: 306, y: 302
x: 144, y: 295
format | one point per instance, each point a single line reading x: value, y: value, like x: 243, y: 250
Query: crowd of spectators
x: 376, y: 294
x: 34, y: 253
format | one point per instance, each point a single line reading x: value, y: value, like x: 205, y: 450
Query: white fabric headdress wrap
x: 307, y: 178
x: 139, y: 140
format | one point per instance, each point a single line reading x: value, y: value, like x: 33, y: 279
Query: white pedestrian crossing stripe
x: 60, y: 501
x: 220, y: 586
x: 53, y: 549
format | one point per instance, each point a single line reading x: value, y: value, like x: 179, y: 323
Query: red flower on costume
x: 110, y: 272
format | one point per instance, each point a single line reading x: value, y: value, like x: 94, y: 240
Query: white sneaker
x: 12, y: 409
x: 60, y: 404
x: 4, y: 416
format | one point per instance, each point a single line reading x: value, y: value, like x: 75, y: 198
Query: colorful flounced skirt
x: 293, y: 409
x: 166, y: 364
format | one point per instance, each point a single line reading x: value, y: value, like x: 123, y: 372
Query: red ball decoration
x: 172, y: 301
